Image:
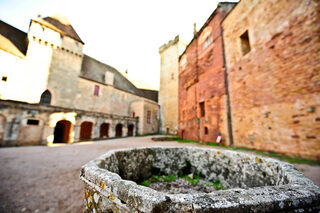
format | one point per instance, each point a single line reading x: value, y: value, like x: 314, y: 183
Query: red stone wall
x: 202, y: 79
x: 275, y: 88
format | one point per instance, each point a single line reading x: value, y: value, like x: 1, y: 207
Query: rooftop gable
x: 13, y: 40
x: 60, y: 24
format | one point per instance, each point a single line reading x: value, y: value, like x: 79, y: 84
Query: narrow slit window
x: 202, y: 109
x: 96, y: 90
x: 245, y: 43
x: 149, y: 117
x: 33, y: 122
x: 206, y: 131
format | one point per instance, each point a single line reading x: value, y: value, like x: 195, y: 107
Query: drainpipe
x: 227, y: 92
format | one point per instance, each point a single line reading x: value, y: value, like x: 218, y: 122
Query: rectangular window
x: 207, y: 42
x: 32, y: 122
x: 202, y: 109
x: 245, y: 43
x: 4, y: 78
x: 96, y: 90
x: 149, y: 117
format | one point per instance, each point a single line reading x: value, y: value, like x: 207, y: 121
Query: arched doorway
x: 104, y: 130
x: 62, y: 132
x: 130, y: 129
x: 45, y: 98
x: 119, y: 130
x: 85, y: 130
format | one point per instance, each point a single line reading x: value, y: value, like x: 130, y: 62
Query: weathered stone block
x: 255, y: 184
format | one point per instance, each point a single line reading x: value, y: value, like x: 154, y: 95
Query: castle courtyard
x: 46, y: 179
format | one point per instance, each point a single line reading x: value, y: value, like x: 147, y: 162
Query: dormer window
x: 207, y: 42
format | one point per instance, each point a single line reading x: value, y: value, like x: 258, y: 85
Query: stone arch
x: 62, y: 131
x: 130, y: 129
x: 86, y: 130
x: 119, y: 130
x: 46, y: 98
x: 104, y: 130
x: 3, y: 122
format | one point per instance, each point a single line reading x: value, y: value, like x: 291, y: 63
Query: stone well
x: 255, y: 184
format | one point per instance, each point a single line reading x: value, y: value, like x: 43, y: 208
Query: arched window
x: 45, y: 98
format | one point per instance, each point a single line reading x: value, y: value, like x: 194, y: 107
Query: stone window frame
x: 207, y: 42
x: 206, y: 130
x: 46, y: 98
x: 244, y: 40
x: 96, y: 90
x: 202, y: 108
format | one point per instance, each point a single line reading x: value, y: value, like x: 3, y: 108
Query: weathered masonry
x: 251, y: 78
x: 169, y: 77
x: 254, y: 184
x: 64, y: 90
x: 203, y: 113
x: 272, y: 59
x: 33, y: 124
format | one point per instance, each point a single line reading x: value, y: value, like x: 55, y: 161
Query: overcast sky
x: 125, y: 34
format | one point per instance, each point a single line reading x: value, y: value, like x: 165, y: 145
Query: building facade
x: 250, y: 78
x: 51, y: 92
x: 272, y: 56
x: 168, y: 93
x: 203, y: 113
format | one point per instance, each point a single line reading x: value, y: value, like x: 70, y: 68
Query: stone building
x: 273, y: 62
x: 51, y: 92
x: 168, y: 93
x: 203, y: 111
x: 252, y: 77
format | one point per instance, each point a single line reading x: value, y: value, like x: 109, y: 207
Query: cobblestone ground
x: 46, y: 179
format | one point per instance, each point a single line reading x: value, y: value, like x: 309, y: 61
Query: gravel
x: 46, y: 179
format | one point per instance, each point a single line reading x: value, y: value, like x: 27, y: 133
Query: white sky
x: 125, y: 34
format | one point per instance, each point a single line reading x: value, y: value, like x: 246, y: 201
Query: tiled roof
x: 13, y: 40
x: 60, y: 24
x: 94, y: 70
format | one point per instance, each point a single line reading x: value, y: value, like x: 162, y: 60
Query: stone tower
x: 54, y: 59
x: 168, y: 93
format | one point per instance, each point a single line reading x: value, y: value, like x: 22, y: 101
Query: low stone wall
x: 255, y: 184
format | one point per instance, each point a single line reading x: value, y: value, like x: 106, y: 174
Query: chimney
x: 194, y: 29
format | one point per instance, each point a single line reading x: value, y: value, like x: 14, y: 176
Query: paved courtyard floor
x: 46, y: 179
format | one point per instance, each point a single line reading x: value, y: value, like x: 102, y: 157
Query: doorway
x: 62, y: 132
x: 85, y: 130
x: 104, y: 130
x: 119, y: 130
x: 130, y: 129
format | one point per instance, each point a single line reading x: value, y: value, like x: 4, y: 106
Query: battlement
x: 55, y: 46
x: 169, y: 44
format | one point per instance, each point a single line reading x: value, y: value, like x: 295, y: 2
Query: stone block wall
x: 202, y: 94
x: 275, y: 83
x: 168, y: 93
x: 33, y: 124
